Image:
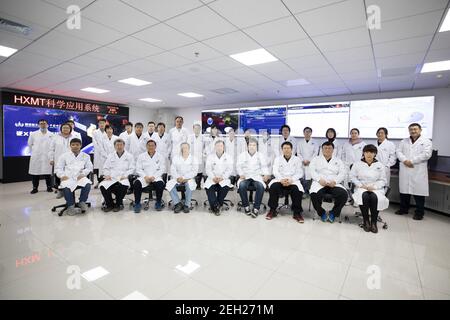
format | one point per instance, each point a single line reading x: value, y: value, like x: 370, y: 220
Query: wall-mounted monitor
x: 260, y: 119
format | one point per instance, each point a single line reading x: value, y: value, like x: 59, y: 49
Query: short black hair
x: 108, y: 127
x: 307, y: 128
x: 150, y: 122
x: 128, y: 124
x: 415, y: 124
x: 65, y: 124
x: 383, y: 129
x: 356, y: 129
x: 119, y: 141
x: 161, y: 124
x: 101, y: 120
x: 179, y: 117
x: 75, y: 140
x: 138, y: 124
x: 286, y: 143
x: 328, y: 143
x: 332, y: 130
x: 151, y: 140
x: 70, y: 121
x: 370, y: 148
x: 213, y: 126
x: 42, y: 120
x: 285, y: 126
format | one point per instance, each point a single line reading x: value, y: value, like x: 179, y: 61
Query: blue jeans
x: 70, y: 200
x: 176, y: 198
x: 243, y: 186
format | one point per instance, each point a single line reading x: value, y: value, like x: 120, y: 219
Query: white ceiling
x: 324, y: 41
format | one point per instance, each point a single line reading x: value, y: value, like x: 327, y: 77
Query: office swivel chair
x: 149, y: 191
x: 65, y: 206
x: 251, y: 189
x: 182, y: 190
x: 227, y: 204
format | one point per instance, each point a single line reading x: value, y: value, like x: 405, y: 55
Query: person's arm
x: 381, y: 181
x: 298, y: 171
x: 342, y: 172
x: 400, y: 155
x: 276, y: 169
x: 139, y: 167
x: 229, y: 168
x: 88, y: 166
x: 193, y: 170
x: 354, y: 176
x: 264, y: 165
x: 173, y: 170
x: 313, y: 169
x: 240, y: 165
x: 107, y: 166
x: 425, y: 155
x: 59, y: 167
x: 162, y: 167
x: 392, y: 157
x: 31, y: 141
x: 131, y: 165
x: 209, y: 168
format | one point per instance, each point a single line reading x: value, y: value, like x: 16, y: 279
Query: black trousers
x: 277, y: 189
x: 119, y: 191
x: 216, y: 194
x: 158, y: 186
x: 340, y: 197
x: 370, y: 203
x: 35, y: 180
x: 405, y: 199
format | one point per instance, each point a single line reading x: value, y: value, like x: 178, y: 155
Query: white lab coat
x: 72, y: 166
x: 231, y: 150
x: 117, y: 167
x: 351, y: 153
x: 77, y: 135
x: 374, y: 176
x: 163, y: 144
x: 266, y: 149
x: 197, y: 144
x: 136, y: 146
x: 307, y: 150
x: 241, y: 145
x: 150, y: 166
x: 39, y: 144
x: 210, y: 144
x: 58, y: 146
x: 333, y: 170
x: 97, y: 138
x: 414, y: 180
x: 106, y: 148
x: 150, y: 137
x: 291, y: 139
x: 124, y: 136
x: 252, y: 167
x: 177, y: 137
x: 386, y: 155
x: 185, y: 168
x: 218, y: 167
x: 292, y: 169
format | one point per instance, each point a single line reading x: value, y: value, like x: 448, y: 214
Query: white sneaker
x: 247, y: 210
x: 255, y: 213
x: 72, y: 210
x: 83, y: 206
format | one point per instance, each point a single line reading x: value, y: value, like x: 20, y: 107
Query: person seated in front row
x: 219, y: 166
x: 252, y: 169
x: 328, y: 172
x: 183, y: 172
x: 118, y: 166
x: 73, y: 168
x: 150, y: 167
x: 369, y: 177
x: 288, y: 170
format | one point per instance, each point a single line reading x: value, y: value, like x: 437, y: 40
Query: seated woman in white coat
x: 150, y: 166
x: 118, y: 166
x: 60, y: 144
x: 183, y: 171
x: 73, y: 168
x: 328, y: 172
x: 219, y: 166
x: 252, y: 170
x: 369, y: 177
x: 288, y: 170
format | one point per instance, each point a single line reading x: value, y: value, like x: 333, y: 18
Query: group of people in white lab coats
x: 134, y: 162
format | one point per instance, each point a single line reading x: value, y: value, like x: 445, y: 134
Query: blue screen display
x: 19, y: 121
x: 270, y: 119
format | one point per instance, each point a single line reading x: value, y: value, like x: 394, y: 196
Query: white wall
x: 144, y: 115
x: 441, y: 110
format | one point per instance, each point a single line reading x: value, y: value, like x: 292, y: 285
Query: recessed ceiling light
x: 436, y: 66
x: 150, y: 100
x: 446, y: 24
x: 94, y: 90
x: 190, y: 95
x: 135, y: 82
x: 297, y: 82
x: 250, y: 58
x: 7, y: 51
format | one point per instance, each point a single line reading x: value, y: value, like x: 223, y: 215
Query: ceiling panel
x: 296, y: 6
x: 164, y: 9
x: 231, y: 43
x: 340, y: 40
x: 164, y: 36
x: 294, y: 49
x: 391, y: 10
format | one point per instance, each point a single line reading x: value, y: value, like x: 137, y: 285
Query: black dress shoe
x: 399, y: 212
x: 108, y: 209
x: 373, y: 227
x: 49, y: 189
x: 418, y: 216
x: 116, y: 209
x: 366, y: 226
x: 34, y: 191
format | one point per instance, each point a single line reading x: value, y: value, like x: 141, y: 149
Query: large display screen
x: 319, y: 117
x: 223, y: 119
x: 394, y: 114
x: 268, y: 119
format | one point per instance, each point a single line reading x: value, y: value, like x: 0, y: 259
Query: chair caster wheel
x: 53, y: 209
x: 385, y: 227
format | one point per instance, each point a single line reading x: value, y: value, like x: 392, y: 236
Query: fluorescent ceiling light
x: 297, y: 82
x: 7, y: 51
x: 446, y: 24
x: 150, y: 100
x: 436, y: 66
x: 135, y: 82
x: 94, y: 90
x: 94, y: 274
x: 250, y: 58
x: 190, y: 95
